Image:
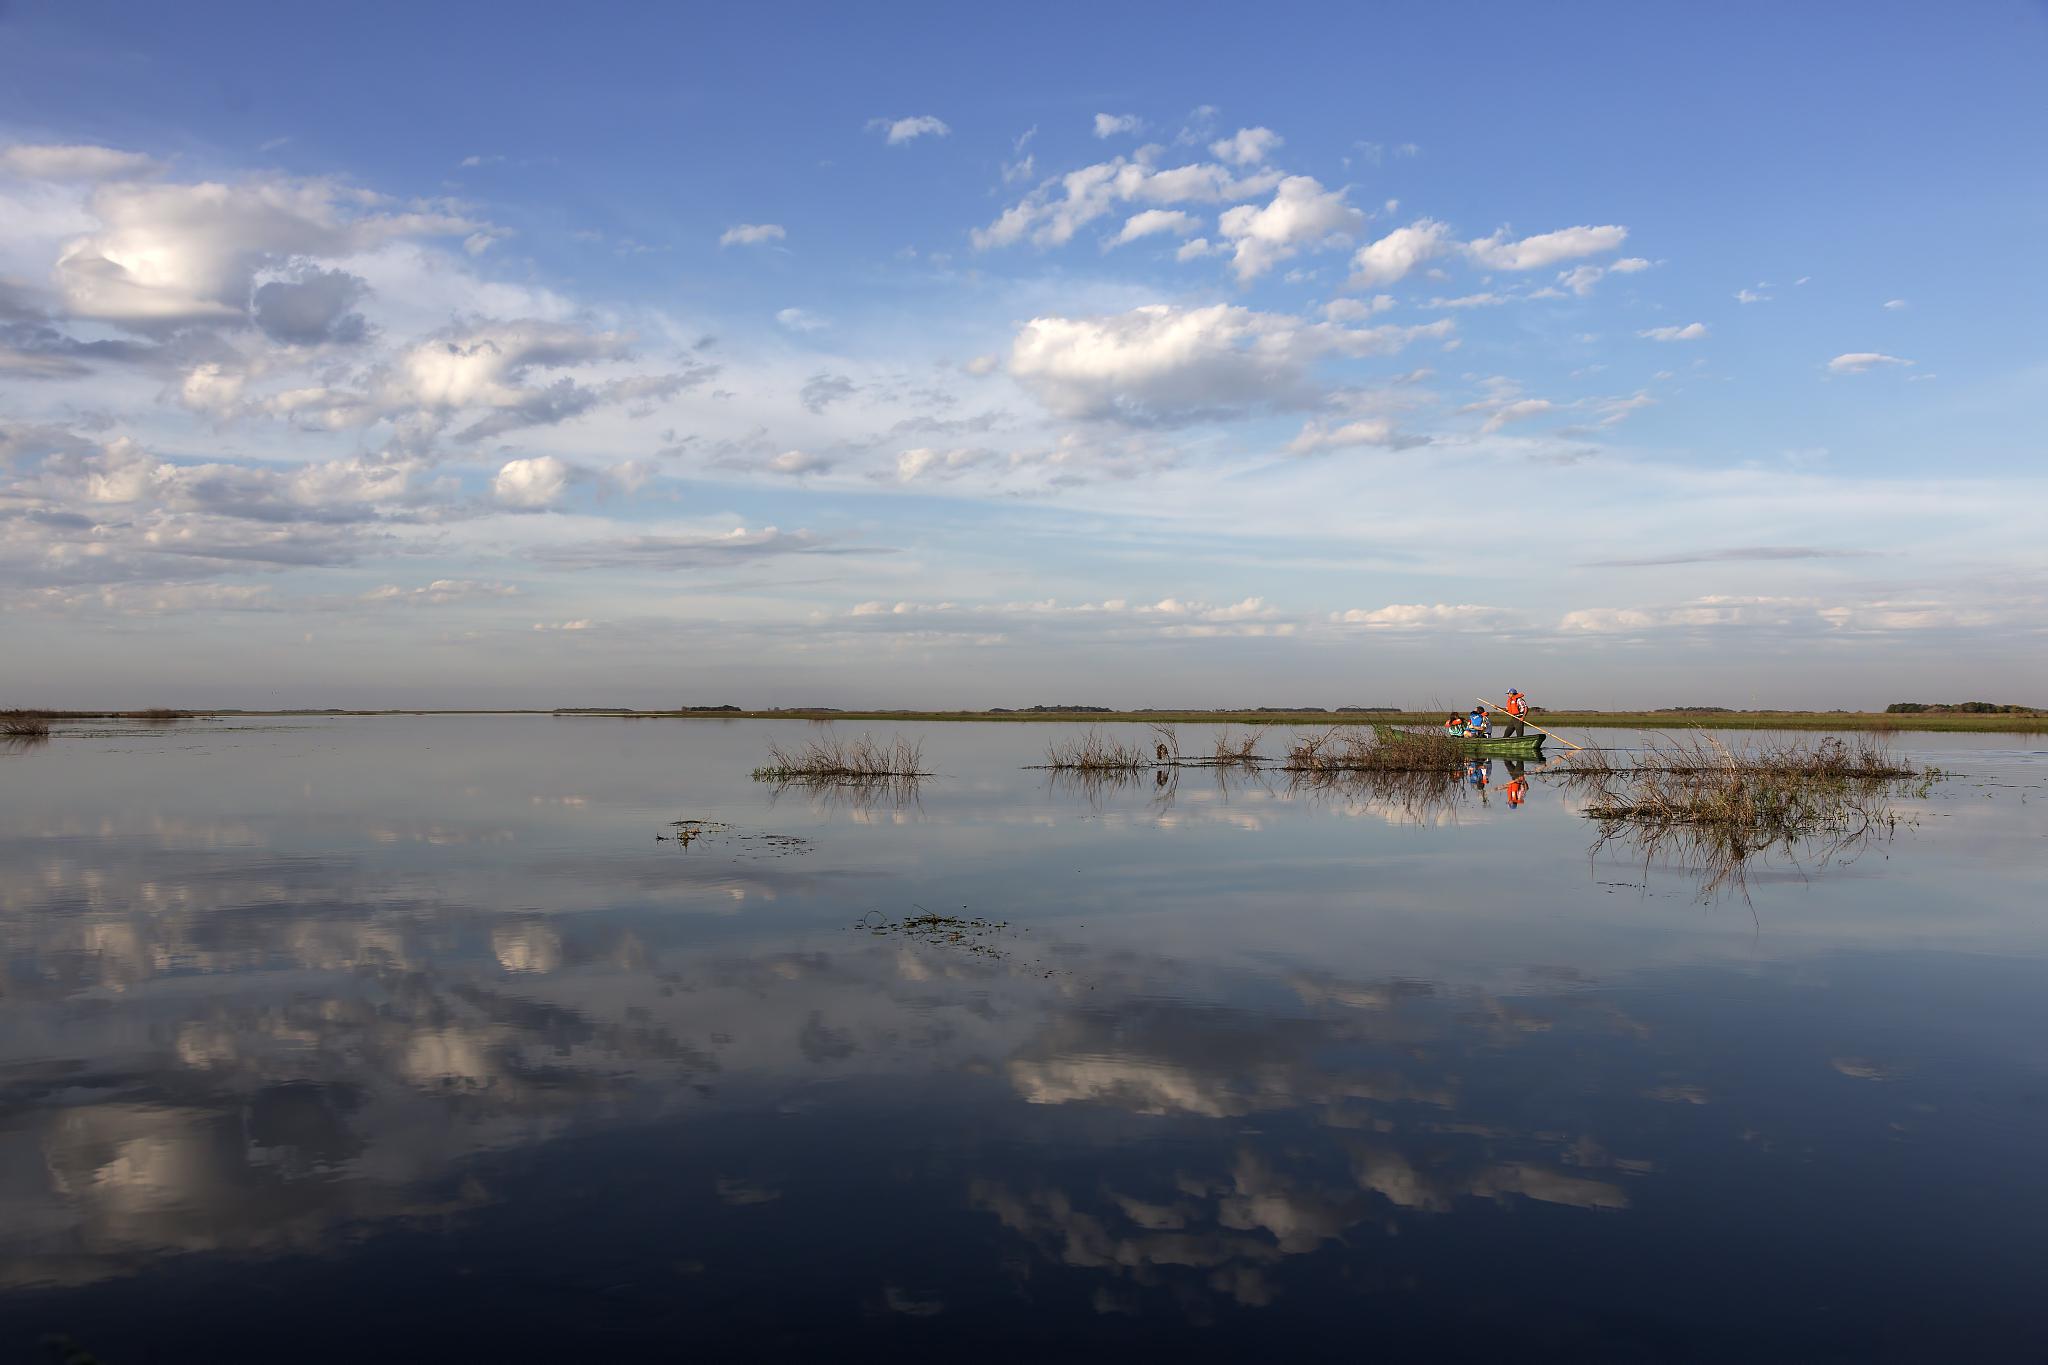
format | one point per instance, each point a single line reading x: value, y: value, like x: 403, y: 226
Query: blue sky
x: 1144, y: 355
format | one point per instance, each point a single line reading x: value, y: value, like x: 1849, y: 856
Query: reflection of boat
x: 1497, y: 746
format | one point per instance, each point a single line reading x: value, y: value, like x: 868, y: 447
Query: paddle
x: 1534, y: 726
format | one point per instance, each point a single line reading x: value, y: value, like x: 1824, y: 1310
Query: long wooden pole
x: 1534, y: 726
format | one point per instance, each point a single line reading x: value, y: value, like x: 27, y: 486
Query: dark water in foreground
x: 406, y: 1036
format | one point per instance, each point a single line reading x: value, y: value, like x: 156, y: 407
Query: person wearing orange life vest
x: 1518, y: 713
x: 1516, y: 791
x: 1479, y: 724
x: 1454, y: 726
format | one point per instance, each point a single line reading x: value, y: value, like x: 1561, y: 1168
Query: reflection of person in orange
x: 1516, y: 791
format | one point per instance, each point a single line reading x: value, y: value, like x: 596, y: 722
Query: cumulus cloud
x: 1691, y: 331
x: 796, y: 463
x: 800, y: 320
x: 1498, y: 252
x: 901, y: 130
x: 751, y: 234
x: 1856, y: 362
x: 1302, y: 214
x: 532, y: 483
x: 1247, y: 146
x: 1051, y: 214
x: 1161, y: 364
x: 1153, y: 221
x: 167, y: 255
x: 1400, y: 251
x: 1109, y: 125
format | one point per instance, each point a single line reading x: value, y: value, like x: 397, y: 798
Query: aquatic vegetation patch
x: 1093, y: 751
x: 24, y: 725
x: 967, y: 933
x: 1336, y: 750
x: 828, y: 757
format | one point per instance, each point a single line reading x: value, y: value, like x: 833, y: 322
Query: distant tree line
x: 1975, y: 708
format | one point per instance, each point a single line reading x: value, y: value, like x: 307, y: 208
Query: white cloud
x: 33, y: 161
x: 1109, y: 125
x: 1895, y: 303
x: 1856, y: 362
x: 440, y: 592
x: 532, y: 483
x: 1516, y: 410
x: 797, y: 462
x: 797, y: 320
x: 940, y: 464
x: 1051, y: 214
x: 1198, y: 247
x: 1302, y: 214
x: 1751, y: 296
x: 1421, y: 616
x: 1247, y: 147
x: 1357, y: 310
x: 1372, y: 431
x: 1400, y: 251
x: 1547, y: 248
x: 1691, y: 331
x: 1629, y: 265
x: 1154, y: 221
x: 902, y: 130
x: 751, y: 234
x: 1160, y: 363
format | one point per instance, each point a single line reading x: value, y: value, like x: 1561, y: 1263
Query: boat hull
x: 1496, y: 746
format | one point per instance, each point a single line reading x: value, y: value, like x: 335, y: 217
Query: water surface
x: 409, y: 1034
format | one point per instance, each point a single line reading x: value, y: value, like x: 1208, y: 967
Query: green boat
x: 1497, y: 746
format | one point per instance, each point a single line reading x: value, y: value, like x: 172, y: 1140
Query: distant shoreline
x: 2035, y: 722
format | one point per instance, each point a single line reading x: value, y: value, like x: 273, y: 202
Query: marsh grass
x: 1353, y: 751
x: 1714, y: 809
x: 1093, y: 751
x: 24, y: 725
x: 1237, y: 750
x: 829, y: 758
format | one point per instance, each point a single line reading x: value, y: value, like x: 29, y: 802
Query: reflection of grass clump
x: 832, y: 758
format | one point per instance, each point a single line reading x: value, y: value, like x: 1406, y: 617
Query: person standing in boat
x: 1478, y: 725
x: 1518, y: 714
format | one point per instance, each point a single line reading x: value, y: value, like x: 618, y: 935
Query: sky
x: 943, y: 355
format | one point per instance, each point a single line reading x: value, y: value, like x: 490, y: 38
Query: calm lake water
x: 406, y: 1035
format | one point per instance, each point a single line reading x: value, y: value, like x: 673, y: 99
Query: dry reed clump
x: 24, y: 725
x: 1779, y: 785
x: 1392, y: 751
x: 1233, y: 749
x: 1094, y: 752
x: 831, y: 758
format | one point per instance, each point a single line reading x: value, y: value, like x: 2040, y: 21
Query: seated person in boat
x: 1454, y: 726
x: 1478, y: 725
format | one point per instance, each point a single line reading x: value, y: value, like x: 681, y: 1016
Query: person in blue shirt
x: 1478, y: 725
